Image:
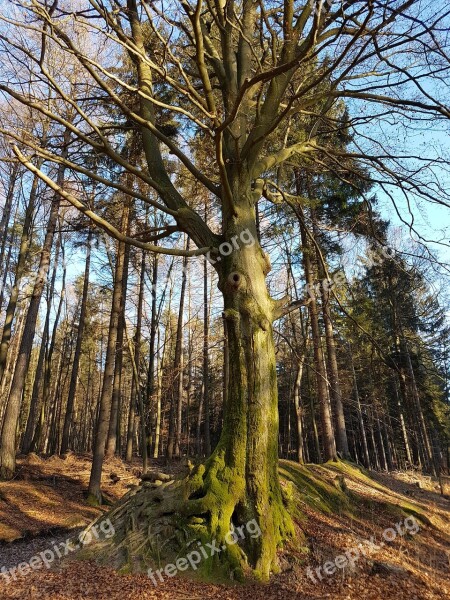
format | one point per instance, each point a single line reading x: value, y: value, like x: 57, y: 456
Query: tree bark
x: 76, y: 359
x: 4, y: 223
x: 94, y: 490
x: 48, y: 372
x: 111, y: 442
x: 25, y: 241
x: 8, y: 435
x: 179, y: 362
x: 333, y: 371
x: 137, y: 358
x: 329, y: 444
x: 31, y: 420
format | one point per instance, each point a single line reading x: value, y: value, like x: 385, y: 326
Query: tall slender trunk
x: 329, y: 444
x: 4, y: 223
x: 153, y: 332
x: 60, y: 384
x: 332, y: 366
x: 140, y: 402
x: 179, y: 362
x: 299, y: 409
x: 151, y: 377
x: 12, y: 241
x: 48, y: 371
x: 422, y: 427
x: 333, y: 372
x: 31, y: 420
x: 135, y: 385
x: 12, y: 359
x: 190, y: 354
x: 8, y: 435
x: 160, y: 367
x: 362, y: 427
x: 24, y: 247
x: 94, y: 490
x: 206, y: 392
x: 401, y: 417
x: 111, y: 442
x: 159, y: 412
x: 77, y: 355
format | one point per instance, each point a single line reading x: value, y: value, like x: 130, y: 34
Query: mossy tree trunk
x: 239, y: 482
x: 248, y: 445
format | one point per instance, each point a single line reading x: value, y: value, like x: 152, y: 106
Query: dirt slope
x: 394, y: 528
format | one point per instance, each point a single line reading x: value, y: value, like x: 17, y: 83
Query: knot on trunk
x: 236, y: 282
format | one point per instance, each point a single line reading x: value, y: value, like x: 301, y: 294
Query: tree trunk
x: 153, y: 332
x: 422, y: 427
x: 94, y: 490
x: 137, y: 358
x: 8, y: 436
x: 160, y: 367
x: 401, y: 417
x: 76, y: 359
x: 31, y: 420
x: 329, y: 444
x: 179, y: 363
x: 111, y: 442
x: 299, y: 409
x: 4, y: 223
x: 239, y: 481
x: 205, y: 378
x: 362, y: 427
x: 332, y: 366
x: 48, y: 364
x: 333, y: 371
x: 25, y: 241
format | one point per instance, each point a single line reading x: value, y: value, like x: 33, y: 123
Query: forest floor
x: 393, y: 529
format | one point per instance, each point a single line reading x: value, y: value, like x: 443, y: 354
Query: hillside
x: 394, y: 528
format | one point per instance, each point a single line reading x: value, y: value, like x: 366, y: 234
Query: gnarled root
x: 208, y: 512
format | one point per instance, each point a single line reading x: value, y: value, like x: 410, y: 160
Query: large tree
x: 238, y: 74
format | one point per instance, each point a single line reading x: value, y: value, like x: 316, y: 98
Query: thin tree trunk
x: 332, y: 366
x: 333, y: 371
x: 206, y: 392
x: 4, y: 222
x: 36, y: 441
x: 329, y: 444
x: 177, y: 386
x: 24, y: 247
x: 111, y: 442
x: 76, y: 359
x: 94, y: 490
x: 31, y: 421
x: 362, y: 427
x: 179, y: 358
x: 140, y: 404
x: 135, y: 385
x: 160, y: 368
x: 422, y: 427
x: 299, y: 409
x: 401, y: 417
x: 8, y: 435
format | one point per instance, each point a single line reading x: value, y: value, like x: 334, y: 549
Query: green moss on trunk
x: 239, y: 483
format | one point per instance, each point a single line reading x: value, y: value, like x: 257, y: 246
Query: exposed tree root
x: 206, y: 512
